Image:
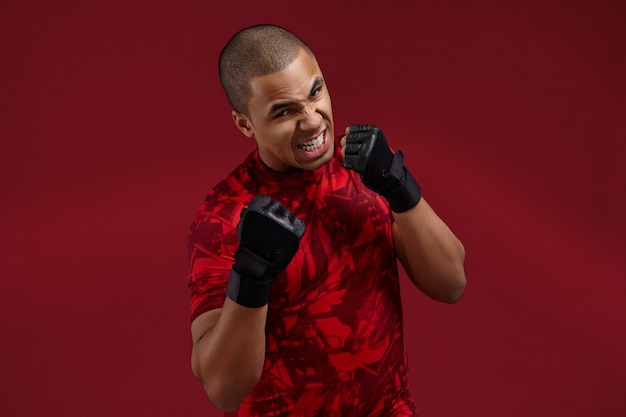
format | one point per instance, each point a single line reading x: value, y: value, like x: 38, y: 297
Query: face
x: 290, y: 117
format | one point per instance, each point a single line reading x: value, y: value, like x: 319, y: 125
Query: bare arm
x: 228, y: 352
x: 430, y: 253
x: 229, y: 343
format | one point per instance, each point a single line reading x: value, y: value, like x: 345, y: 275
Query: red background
x: 113, y: 128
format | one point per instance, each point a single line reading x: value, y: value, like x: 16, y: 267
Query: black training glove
x: 368, y: 153
x: 269, y: 237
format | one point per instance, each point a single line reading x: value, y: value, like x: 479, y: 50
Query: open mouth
x: 313, y: 144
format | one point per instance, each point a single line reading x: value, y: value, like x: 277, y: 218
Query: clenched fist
x: 368, y: 153
x: 269, y: 237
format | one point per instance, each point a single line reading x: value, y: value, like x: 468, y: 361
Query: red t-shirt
x: 335, y: 344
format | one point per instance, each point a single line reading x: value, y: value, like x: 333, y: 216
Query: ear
x: 243, y: 123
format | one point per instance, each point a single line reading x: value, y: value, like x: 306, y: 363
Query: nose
x: 311, y: 120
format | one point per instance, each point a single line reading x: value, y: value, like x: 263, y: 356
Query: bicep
x: 204, y: 323
x: 201, y: 329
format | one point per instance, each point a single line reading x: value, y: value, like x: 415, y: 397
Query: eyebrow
x: 319, y: 81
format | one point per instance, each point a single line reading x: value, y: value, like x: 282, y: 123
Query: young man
x: 293, y: 274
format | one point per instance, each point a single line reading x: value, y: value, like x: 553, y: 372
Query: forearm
x: 228, y: 359
x: 431, y: 254
x: 229, y: 343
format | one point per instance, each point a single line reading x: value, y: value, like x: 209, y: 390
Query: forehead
x: 290, y: 84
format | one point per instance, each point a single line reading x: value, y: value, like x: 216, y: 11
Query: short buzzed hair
x: 253, y: 52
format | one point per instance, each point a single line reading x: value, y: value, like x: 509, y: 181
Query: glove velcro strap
x: 246, y: 291
x: 408, y: 192
x: 251, y: 263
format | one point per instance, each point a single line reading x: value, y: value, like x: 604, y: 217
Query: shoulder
x: 225, y: 200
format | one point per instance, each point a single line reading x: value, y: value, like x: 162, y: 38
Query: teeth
x: 312, y: 144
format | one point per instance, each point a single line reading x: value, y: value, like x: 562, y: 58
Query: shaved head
x: 253, y: 52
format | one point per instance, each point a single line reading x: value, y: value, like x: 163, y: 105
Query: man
x: 293, y: 273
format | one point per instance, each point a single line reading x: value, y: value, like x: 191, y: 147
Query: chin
x: 324, y: 159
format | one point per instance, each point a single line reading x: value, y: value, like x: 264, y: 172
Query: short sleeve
x: 212, y: 242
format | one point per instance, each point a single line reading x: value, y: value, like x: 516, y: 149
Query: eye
x: 316, y: 91
x: 281, y: 113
